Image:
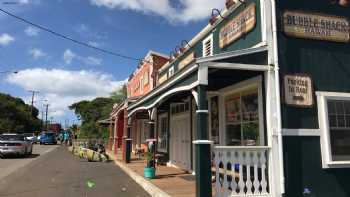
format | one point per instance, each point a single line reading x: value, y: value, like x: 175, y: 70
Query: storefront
x: 260, y: 99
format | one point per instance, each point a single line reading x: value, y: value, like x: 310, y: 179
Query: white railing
x: 241, y: 171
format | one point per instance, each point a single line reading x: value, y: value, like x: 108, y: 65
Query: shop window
x: 180, y: 108
x: 242, y: 119
x: 334, y: 121
x: 163, y: 133
x: 208, y: 46
x: 144, y: 130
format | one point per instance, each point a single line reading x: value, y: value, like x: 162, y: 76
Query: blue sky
x: 64, y: 72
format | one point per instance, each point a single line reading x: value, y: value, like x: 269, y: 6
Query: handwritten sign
x: 298, y: 90
x: 238, y: 26
x: 187, y: 60
x: 316, y: 26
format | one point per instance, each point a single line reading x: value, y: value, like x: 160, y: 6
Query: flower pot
x: 149, y: 173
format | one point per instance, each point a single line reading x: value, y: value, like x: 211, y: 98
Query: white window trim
x: 326, y: 153
x: 238, y: 87
x: 211, y: 39
x: 160, y: 117
x: 171, y: 72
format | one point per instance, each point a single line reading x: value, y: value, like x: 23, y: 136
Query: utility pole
x: 33, y: 96
x: 47, y: 111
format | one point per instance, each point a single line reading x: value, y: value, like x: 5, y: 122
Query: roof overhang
x: 192, y: 75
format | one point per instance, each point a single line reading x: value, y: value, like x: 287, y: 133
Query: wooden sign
x: 316, y: 26
x: 187, y: 60
x: 298, y: 90
x: 162, y: 79
x: 238, y: 26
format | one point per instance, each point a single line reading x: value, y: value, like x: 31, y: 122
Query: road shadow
x: 32, y: 156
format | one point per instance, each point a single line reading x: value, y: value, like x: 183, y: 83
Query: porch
x: 231, y: 167
x: 224, y: 105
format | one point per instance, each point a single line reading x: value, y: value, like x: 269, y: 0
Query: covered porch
x: 214, y: 119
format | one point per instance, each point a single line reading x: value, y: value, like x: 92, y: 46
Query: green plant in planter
x: 149, y: 171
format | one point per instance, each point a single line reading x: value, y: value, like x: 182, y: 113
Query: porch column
x: 152, y: 122
x: 202, y: 147
x: 128, y: 142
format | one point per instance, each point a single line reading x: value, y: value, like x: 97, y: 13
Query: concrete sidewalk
x: 169, y: 181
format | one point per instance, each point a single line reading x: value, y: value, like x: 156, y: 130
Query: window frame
x: 160, y: 118
x: 323, y: 120
x: 236, y: 88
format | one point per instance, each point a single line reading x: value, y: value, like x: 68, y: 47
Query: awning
x: 188, y: 78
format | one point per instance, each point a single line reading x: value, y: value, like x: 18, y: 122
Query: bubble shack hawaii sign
x: 316, y: 26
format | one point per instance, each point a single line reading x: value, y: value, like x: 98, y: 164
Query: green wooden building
x: 258, y: 103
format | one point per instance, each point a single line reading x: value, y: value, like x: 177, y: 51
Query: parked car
x: 48, y: 138
x: 15, y: 144
x: 30, y: 136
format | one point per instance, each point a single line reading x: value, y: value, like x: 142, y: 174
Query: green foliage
x: 16, y: 116
x: 90, y: 112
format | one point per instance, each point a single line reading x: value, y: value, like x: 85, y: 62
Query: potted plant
x: 149, y: 171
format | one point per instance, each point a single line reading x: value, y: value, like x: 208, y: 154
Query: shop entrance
x: 180, y: 137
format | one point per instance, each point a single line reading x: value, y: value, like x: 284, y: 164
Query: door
x: 181, y: 141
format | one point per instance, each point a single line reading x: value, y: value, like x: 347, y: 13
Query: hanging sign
x: 238, y: 26
x: 316, y: 26
x: 298, y: 90
x: 187, y: 60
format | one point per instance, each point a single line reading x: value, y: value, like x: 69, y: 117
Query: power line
x: 69, y: 38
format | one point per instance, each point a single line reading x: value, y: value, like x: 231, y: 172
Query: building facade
x: 142, y: 81
x: 259, y: 99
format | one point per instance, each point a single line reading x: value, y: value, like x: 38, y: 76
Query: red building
x: 142, y: 81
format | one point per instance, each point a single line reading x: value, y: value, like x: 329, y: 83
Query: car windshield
x: 12, y: 137
x: 49, y: 134
x: 28, y: 134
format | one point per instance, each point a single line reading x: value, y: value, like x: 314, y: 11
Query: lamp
x: 178, y: 51
x: 214, y: 18
x: 229, y: 3
x: 183, y: 45
x: 171, y: 56
x: 343, y: 3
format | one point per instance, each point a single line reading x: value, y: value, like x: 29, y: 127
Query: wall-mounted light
x: 344, y: 3
x: 230, y: 3
x: 178, y: 51
x: 214, y: 17
x: 183, y: 45
x: 171, y: 56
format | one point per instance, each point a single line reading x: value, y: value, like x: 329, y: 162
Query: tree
x: 90, y: 112
x: 16, y: 116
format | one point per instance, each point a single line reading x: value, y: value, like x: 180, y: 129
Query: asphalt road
x: 59, y: 174
x: 11, y: 164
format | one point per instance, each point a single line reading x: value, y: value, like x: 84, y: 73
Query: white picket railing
x: 241, y: 171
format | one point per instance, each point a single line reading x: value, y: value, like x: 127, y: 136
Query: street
x: 54, y: 172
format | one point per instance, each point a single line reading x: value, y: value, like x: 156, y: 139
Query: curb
x: 149, y: 187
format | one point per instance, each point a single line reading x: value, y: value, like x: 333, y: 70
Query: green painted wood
x: 328, y: 63
x: 251, y: 39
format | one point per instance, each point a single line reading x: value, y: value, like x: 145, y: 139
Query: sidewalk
x: 169, y: 181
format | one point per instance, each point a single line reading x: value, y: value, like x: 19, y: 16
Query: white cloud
x: 32, y: 31
x: 37, y: 53
x: 186, y: 11
x: 64, y: 87
x: 92, y: 60
x: 69, y: 56
x: 23, y: 1
x: 6, y: 39
x: 94, y: 44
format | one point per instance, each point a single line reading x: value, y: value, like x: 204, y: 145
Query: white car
x: 15, y: 144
